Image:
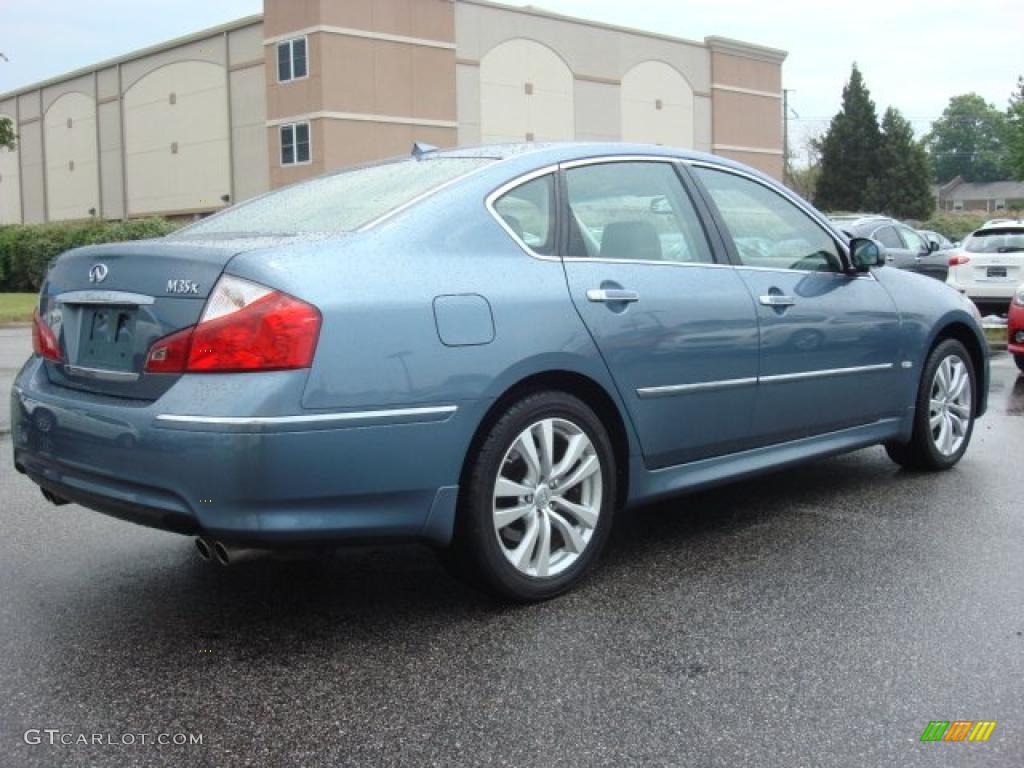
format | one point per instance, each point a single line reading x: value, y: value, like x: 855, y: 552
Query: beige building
x: 187, y: 127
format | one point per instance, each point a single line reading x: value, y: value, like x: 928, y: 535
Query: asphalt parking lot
x: 820, y: 616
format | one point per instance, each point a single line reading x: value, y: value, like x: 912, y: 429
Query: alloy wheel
x: 950, y: 406
x: 547, y: 497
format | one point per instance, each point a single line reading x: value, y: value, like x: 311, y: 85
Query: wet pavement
x: 820, y: 616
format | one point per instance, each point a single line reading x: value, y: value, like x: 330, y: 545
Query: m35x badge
x: 183, y: 287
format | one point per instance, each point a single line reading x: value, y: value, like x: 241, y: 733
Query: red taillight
x: 245, y: 327
x: 44, y: 340
x: 959, y: 259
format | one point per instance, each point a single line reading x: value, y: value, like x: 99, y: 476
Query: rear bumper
x: 986, y: 292
x: 276, y: 480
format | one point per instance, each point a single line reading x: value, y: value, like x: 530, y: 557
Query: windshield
x: 996, y: 241
x: 339, y: 202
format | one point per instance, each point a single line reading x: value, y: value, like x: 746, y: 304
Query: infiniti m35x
x: 494, y: 350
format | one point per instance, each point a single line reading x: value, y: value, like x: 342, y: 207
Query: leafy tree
x: 969, y: 141
x: 1015, y: 131
x: 902, y: 187
x: 7, y: 137
x: 849, y: 156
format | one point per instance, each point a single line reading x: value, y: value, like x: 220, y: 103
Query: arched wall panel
x: 10, y: 182
x: 72, y: 157
x: 657, y: 106
x: 177, y: 139
x: 526, y: 92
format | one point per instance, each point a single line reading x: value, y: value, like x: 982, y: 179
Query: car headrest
x: 631, y: 240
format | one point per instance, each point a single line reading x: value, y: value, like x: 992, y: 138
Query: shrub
x: 956, y: 226
x: 26, y: 250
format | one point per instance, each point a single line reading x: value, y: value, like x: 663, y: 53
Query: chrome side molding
x: 708, y: 386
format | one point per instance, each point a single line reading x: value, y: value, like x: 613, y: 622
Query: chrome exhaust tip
x: 204, y: 548
x: 227, y: 555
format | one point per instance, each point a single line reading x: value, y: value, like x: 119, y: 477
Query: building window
x: 295, y: 146
x: 292, y: 62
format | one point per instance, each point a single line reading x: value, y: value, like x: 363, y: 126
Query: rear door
x: 676, y: 326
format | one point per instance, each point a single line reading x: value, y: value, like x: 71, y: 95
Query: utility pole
x: 785, y: 136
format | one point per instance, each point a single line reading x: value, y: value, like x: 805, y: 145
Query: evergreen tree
x: 969, y: 140
x: 849, y: 158
x: 1015, y: 131
x: 902, y: 188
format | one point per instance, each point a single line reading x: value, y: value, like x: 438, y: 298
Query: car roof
x: 1000, y: 228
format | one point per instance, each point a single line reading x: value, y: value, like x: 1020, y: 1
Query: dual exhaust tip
x: 225, y: 554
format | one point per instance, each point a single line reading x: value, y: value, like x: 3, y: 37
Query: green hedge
x: 27, y: 250
x: 957, y: 226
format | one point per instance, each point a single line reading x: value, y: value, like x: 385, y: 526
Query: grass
x: 17, y: 307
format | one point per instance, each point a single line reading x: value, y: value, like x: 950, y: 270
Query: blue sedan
x: 494, y: 350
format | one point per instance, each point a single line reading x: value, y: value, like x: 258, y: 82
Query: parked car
x: 1015, y: 327
x: 903, y: 247
x: 989, y: 265
x: 941, y: 242
x: 492, y: 350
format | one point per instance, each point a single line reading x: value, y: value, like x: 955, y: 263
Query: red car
x: 1015, y: 328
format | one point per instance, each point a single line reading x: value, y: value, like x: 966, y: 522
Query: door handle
x: 612, y: 295
x: 777, y: 300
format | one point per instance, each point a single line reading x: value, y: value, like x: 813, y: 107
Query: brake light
x: 44, y: 340
x: 959, y: 259
x: 245, y: 327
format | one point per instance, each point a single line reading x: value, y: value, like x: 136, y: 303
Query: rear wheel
x: 538, y: 505
x: 1019, y: 359
x: 944, y: 414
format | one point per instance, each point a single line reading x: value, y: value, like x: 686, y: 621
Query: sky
x: 914, y: 54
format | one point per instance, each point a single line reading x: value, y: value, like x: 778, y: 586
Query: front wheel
x: 944, y: 413
x: 538, y: 505
x: 1019, y: 359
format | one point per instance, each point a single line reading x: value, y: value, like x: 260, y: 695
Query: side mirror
x: 865, y: 254
x: 661, y: 206
x: 932, y: 246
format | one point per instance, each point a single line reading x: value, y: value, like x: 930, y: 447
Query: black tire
x: 921, y: 452
x: 1019, y: 360
x: 476, y: 556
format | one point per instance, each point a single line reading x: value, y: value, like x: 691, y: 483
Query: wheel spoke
x: 587, y: 516
x: 577, y: 445
x: 587, y: 467
x: 935, y: 414
x: 947, y: 430
x: 573, y: 540
x: 960, y: 409
x: 505, y: 517
x: 543, y: 560
x: 506, y: 488
x: 547, y: 447
x: 522, y: 555
x: 528, y: 450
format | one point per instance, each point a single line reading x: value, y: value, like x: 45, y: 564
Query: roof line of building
x: 726, y: 44
x: 202, y: 34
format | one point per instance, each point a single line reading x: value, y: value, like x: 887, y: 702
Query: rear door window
x: 633, y: 211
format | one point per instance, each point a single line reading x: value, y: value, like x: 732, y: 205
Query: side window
x: 913, y: 240
x: 529, y: 211
x: 633, y: 210
x: 888, y: 237
x: 767, y: 229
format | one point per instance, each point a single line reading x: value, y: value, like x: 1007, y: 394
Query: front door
x: 677, y: 329
x: 829, y: 340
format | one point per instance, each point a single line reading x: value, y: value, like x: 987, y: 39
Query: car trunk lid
x: 108, y: 304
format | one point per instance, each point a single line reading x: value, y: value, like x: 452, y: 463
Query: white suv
x: 989, y: 264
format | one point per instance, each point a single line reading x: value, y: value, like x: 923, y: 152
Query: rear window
x: 340, y: 202
x: 996, y: 241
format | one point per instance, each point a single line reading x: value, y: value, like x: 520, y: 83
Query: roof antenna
x: 419, y: 149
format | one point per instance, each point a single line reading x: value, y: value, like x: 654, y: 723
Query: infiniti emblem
x: 98, y: 273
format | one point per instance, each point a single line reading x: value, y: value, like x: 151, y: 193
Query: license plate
x: 997, y: 272
x: 108, y: 338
